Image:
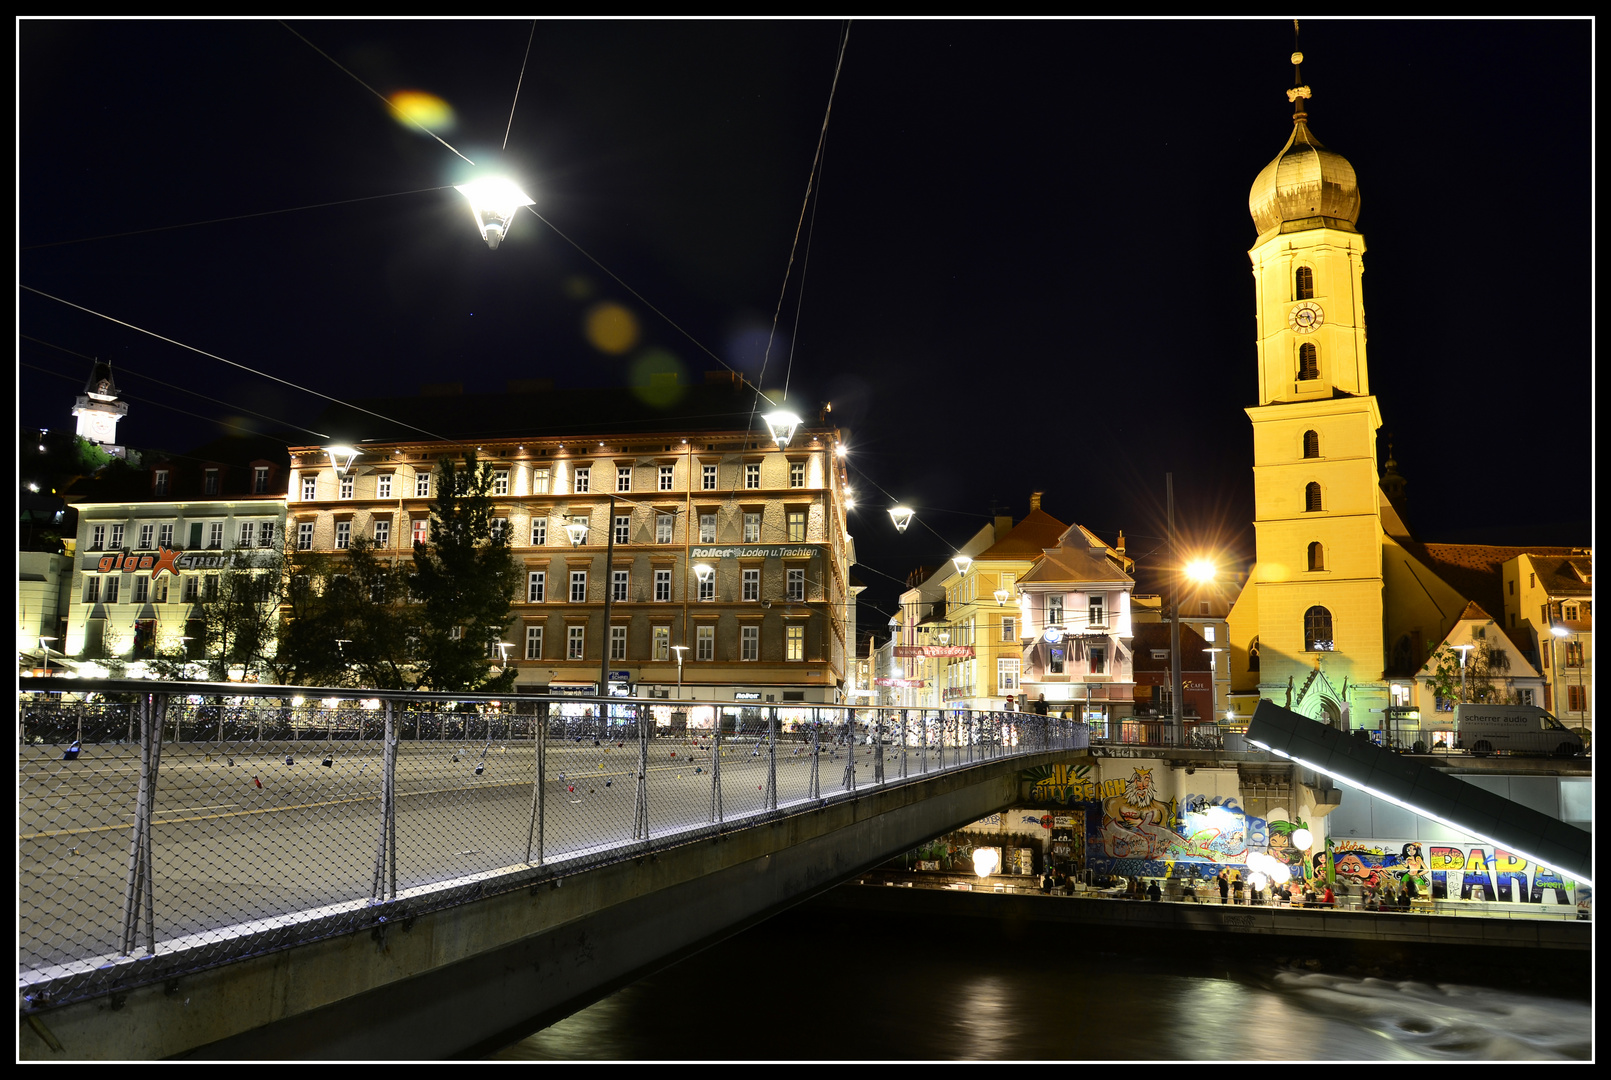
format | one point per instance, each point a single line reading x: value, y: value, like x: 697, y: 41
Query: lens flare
x: 412, y: 107
x: 611, y: 328
x: 658, y: 377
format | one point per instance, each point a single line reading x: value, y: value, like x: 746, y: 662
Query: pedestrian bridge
x: 269, y: 872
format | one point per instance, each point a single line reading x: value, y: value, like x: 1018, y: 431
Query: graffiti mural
x: 1476, y: 872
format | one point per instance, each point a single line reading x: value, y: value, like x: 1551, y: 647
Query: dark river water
x: 827, y: 985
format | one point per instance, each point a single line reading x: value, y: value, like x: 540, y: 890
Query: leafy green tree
x: 465, y: 580
x: 347, y: 621
x: 1487, y: 678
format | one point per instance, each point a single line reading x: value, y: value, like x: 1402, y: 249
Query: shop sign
x: 746, y: 695
x: 576, y: 689
x: 771, y: 551
x: 905, y: 684
x: 170, y: 559
x: 906, y: 651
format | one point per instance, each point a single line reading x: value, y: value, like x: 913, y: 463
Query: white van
x: 1482, y: 729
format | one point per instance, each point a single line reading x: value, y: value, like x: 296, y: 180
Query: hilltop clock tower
x: 1317, y: 587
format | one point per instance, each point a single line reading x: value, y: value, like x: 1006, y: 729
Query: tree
x: 348, y: 621
x: 1486, y: 675
x: 466, y: 581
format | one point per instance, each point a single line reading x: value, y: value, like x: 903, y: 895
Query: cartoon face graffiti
x: 1410, y: 858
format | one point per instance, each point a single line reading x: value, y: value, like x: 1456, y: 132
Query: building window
x: 539, y: 531
x: 618, y: 636
x: 1009, y: 629
x: 422, y: 530
x: 752, y: 476
x: 578, y: 586
x: 1524, y: 697
x: 662, y: 643
x: 346, y: 487
x: 260, y: 480
x: 797, y: 526
x: 1054, y: 661
x: 304, y: 536
x: 97, y: 537
x: 117, y: 538
x: 623, y: 478
x: 499, y: 528
x: 797, y: 474
x: 246, y: 534
x: 623, y: 528
x: 383, y: 534
x: 705, y: 643
x: 1568, y: 611
x: 583, y: 522
x: 1317, y: 631
x: 142, y: 589
x: 794, y: 643
x: 1208, y: 634
x: 1098, y: 606
x: 1311, y: 444
x: 1054, y: 611
x: 1253, y: 655
x: 539, y: 481
x: 1311, y: 498
x: 110, y: 588
x: 752, y: 528
x: 1097, y: 656
x: 209, y: 484
x: 1577, y: 699
x: 708, y: 478
x: 310, y: 488
x: 534, y: 643
x: 665, y: 477
x: 1317, y: 556
x: 662, y: 528
x: 583, y: 482
x: 165, y: 535
x: 1574, y: 654
x: 1006, y: 675
x: 707, y: 588
x: 1308, y: 361
x: 422, y: 485
x: 662, y: 586
x: 266, y: 536
x: 92, y: 590
x: 383, y: 486
x: 146, y: 532
x: 752, y: 585
x: 500, y: 482
x: 343, y: 535
x: 161, y: 487
x: 749, y: 643
x: 575, y: 642
x: 707, y: 528
x: 1304, y: 284
x: 209, y: 588
x: 795, y: 586
x: 536, y: 583
x: 215, y: 534
x: 159, y: 591
x: 187, y: 592
x: 619, y: 581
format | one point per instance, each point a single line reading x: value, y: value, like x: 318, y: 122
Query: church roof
x: 1305, y: 180
x: 1473, y: 570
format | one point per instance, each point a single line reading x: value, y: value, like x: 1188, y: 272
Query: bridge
x: 239, y: 871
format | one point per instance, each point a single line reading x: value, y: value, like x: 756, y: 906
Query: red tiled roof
x: 1027, y: 539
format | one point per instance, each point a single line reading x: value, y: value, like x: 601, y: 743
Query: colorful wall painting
x: 1476, y: 872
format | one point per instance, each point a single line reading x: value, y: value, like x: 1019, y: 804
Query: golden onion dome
x: 1304, y: 181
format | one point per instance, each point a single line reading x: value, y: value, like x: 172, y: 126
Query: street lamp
x: 1002, y: 596
x: 503, y: 654
x: 494, y: 201
x: 962, y: 562
x: 1563, y: 633
x: 46, y: 647
x: 337, y: 453
x: 1463, y: 649
x: 1213, y: 674
x: 679, y: 650
x: 902, y: 516
x: 577, y: 531
x: 781, y: 423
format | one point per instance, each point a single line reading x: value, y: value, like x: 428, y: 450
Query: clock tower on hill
x: 1317, y: 588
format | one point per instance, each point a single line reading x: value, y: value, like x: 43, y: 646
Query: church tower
x: 98, y: 408
x: 1318, y: 580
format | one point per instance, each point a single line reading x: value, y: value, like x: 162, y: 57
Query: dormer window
x: 160, y: 485
x: 209, y: 484
x: 260, y: 480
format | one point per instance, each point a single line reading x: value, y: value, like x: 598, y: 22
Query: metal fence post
x: 716, y: 765
x: 384, y: 886
x: 139, y: 885
x: 878, y: 747
x: 903, y: 744
x: 816, y: 752
x: 772, y: 760
x: 640, y: 818
x: 850, y: 757
x: 534, y: 825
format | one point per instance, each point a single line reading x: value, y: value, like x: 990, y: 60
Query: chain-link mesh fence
x: 178, y: 832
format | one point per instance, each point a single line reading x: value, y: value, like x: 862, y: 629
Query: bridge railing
x: 169, y: 827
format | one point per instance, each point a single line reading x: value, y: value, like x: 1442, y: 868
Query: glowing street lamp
x: 494, y: 201
x: 46, y: 647
x: 337, y: 454
x: 679, y: 650
x: 503, y: 653
x: 577, y: 531
x: 962, y: 562
x: 1463, y: 649
x: 902, y: 516
x: 781, y: 423
x: 1002, y: 596
x: 1201, y: 570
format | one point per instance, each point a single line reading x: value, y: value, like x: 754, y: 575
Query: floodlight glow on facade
x: 494, y: 201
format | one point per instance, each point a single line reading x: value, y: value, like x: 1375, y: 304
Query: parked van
x: 1527, y: 729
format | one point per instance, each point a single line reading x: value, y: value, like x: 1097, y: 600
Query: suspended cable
x: 124, y: 368
x: 395, y: 110
x: 232, y: 363
x: 237, y: 217
x: 816, y: 159
x: 148, y: 401
x: 518, y: 81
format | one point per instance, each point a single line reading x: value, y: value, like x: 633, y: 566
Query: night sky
x: 1024, y: 264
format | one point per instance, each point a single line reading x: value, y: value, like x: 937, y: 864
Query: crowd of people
x: 1234, y: 889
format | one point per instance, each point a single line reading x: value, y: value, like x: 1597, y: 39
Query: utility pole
x: 1174, y: 617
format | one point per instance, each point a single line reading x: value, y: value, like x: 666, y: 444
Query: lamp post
x: 494, y: 201
x: 679, y: 650
x: 901, y: 516
x: 1561, y: 632
x: 1213, y: 675
x: 1463, y: 649
x: 43, y: 645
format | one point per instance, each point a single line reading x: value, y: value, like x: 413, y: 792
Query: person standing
x: 1236, y: 885
x: 1153, y: 892
x: 1040, y: 706
x: 1224, y: 886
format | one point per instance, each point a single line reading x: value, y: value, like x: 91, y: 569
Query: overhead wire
x: 146, y: 401
x: 518, y: 81
x: 232, y: 363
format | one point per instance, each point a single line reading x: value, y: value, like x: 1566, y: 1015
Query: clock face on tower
x: 1306, y: 317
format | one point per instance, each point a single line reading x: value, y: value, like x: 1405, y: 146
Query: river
x: 816, y: 984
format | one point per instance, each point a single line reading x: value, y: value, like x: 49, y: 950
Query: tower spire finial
x: 1299, y: 92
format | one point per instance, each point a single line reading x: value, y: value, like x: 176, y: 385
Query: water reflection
x: 836, y: 988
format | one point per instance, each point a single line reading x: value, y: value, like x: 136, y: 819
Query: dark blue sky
x: 1027, y: 261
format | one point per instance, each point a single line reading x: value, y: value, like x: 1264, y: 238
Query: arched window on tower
x: 1253, y: 655
x: 1308, y: 361
x: 1317, y: 633
x: 1317, y: 556
x: 1304, y: 284
x: 1311, y: 444
x: 1311, y: 498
